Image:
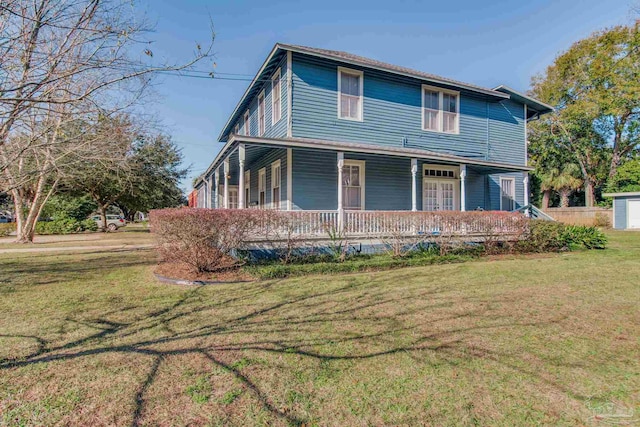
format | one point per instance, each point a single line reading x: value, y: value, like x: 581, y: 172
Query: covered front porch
x: 301, y: 174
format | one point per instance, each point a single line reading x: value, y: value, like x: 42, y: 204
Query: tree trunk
x: 26, y: 225
x: 615, y: 162
x: 102, y: 210
x: 564, y: 198
x: 589, y: 193
x: 546, y: 196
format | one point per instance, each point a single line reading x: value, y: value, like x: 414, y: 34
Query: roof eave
x: 460, y: 85
x: 227, y: 127
x: 531, y: 102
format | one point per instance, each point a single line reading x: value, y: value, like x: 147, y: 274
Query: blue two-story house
x: 327, y: 130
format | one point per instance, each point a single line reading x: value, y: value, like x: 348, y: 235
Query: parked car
x: 5, y: 218
x: 113, y: 222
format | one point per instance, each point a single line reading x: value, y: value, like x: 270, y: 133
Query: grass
x: 93, y: 339
x: 361, y: 263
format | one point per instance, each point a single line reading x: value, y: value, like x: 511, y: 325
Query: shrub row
x: 213, y: 240
x: 66, y: 226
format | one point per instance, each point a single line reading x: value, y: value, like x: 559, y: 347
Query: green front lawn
x: 93, y: 339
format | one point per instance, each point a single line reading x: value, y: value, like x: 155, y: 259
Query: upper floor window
x: 246, y: 123
x: 261, y: 114
x: 236, y: 129
x: 350, y: 85
x: 440, y: 110
x: 276, y: 99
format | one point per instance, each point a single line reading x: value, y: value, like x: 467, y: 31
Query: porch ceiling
x: 490, y: 167
x: 257, y: 147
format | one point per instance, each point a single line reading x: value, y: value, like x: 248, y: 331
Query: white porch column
x: 340, y: 207
x: 226, y: 184
x: 210, y: 192
x: 241, y: 158
x: 414, y: 186
x: 216, y: 189
x: 463, y: 188
x: 289, y: 179
x: 205, y: 187
x: 525, y: 181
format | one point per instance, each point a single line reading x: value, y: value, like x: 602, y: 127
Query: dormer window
x: 440, y: 110
x: 350, y: 85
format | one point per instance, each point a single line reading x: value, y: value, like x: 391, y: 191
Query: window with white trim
x: 262, y: 188
x: 440, y: 110
x: 350, y: 88
x: 236, y: 129
x: 233, y: 197
x: 276, y: 184
x: 261, y: 114
x: 247, y: 123
x: 353, y: 185
x: 276, y: 98
x: 507, y: 194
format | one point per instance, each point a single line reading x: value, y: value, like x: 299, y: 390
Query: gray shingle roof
x: 368, y: 62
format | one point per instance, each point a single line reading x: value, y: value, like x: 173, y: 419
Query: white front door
x: 633, y: 211
x: 439, y: 195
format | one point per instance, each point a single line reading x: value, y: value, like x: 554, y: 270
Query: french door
x: 439, y: 195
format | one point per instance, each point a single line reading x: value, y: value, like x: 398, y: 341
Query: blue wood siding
x: 315, y: 182
x: 494, y: 189
x: 506, y: 133
x: 271, y: 130
x: 620, y: 213
x: 476, y: 194
x: 315, y: 177
x: 387, y: 181
x: 392, y: 115
x: 266, y: 161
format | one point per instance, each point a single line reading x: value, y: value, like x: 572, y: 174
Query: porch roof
x: 353, y: 147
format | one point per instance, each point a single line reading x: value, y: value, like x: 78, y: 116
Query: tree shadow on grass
x: 293, y: 318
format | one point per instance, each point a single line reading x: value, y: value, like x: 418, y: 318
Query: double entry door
x: 439, y: 194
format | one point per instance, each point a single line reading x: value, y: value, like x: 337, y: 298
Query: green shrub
x: 7, y: 228
x: 88, y: 225
x: 550, y: 236
x: 586, y: 237
x: 65, y: 226
x: 64, y: 206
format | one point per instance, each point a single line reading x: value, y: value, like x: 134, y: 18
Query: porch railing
x: 320, y: 223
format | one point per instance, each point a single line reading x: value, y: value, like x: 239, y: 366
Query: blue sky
x: 486, y: 43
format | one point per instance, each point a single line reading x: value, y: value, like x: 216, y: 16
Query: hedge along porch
x: 303, y: 174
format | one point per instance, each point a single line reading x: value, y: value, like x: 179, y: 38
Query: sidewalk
x: 107, y: 248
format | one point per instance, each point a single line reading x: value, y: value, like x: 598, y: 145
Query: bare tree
x: 65, y: 64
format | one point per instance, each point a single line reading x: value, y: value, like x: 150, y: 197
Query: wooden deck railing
x: 379, y: 223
